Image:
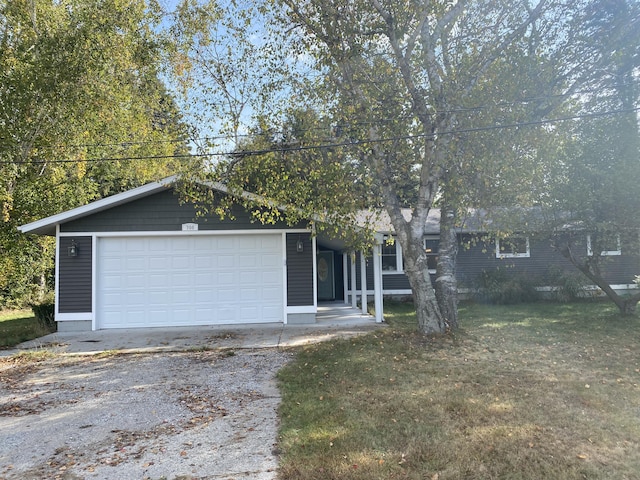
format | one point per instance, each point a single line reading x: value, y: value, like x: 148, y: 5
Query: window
x: 431, y: 247
x: 610, y: 244
x: 391, y: 257
x: 513, y: 247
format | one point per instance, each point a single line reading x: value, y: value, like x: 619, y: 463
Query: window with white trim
x: 610, y: 245
x: 391, y: 257
x: 431, y: 245
x: 514, y: 246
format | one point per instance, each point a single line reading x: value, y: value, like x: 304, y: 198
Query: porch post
x: 345, y: 278
x: 377, y: 280
x: 363, y: 282
x: 354, y: 303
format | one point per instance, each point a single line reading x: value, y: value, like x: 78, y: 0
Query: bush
x: 45, y: 315
x: 500, y: 287
x: 567, y: 286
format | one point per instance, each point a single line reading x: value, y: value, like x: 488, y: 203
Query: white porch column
x: 363, y: 282
x: 354, y: 303
x: 377, y: 281
x: 345, y: 278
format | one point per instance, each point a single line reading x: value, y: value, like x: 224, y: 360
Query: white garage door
x: 189, y: 280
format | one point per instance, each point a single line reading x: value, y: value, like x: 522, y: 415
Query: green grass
x: 520, y: 392
x: 17, y: 326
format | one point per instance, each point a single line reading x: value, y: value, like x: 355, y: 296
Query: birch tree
x: 420, y: 90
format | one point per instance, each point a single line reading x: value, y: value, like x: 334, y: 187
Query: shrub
x: 567, y: 286
x: 500, y: 287
x: 45, y: 314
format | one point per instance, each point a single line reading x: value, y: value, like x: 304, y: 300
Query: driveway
x: 174, y: 415
x: 174, y: 403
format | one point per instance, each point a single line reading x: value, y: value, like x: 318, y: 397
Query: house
x: 481, y: 249
x: 144, y: 259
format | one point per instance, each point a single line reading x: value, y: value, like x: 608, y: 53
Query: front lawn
x: 521, y: 392
x: 17, y: 326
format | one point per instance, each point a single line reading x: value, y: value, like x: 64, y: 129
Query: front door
x: 326, y: 283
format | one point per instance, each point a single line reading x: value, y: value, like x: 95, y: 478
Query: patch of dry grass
x: 522, y: 392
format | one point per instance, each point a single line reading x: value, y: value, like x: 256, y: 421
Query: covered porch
x: 342, y: 284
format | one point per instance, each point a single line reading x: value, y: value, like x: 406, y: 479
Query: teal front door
x: 326, y: 283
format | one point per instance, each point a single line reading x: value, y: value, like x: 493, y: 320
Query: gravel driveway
x: 191, y: 415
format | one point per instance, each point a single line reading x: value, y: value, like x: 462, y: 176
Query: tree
x: 81, y: 94
x: 411, y: 81
x: 591, y: 197
x: 419, y: 68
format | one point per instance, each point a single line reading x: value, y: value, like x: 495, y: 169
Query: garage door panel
x: 247, y: 261
x: 272, y: 312
x: 249, y: 242
x: 249, y: 277
x: 193, y: 280
x: 225, y: 243
x: 203, y: 279
x: 156, y: 280
x: 156, y: 263
x: 134, y: 246
x: 270, y: 261
x: 225, y: 261
x: 225, y: 278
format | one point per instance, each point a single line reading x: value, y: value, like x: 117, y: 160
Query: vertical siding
x: 299, y: 271
x: 74, y: 276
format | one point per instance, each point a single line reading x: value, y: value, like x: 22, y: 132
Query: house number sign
x: 189, y: 227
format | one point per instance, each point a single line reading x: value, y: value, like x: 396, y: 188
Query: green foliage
x: 83, y: 115
x: 419, y: 102
x: 567, y: 286
x: 501, y: 287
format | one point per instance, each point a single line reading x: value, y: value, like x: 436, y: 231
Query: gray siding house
x: 480, y: 250
x: 144, y: 259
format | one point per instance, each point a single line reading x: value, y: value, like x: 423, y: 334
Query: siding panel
x: 74, y: 281
x: 299, y: 271
x: 162, y: 212
x: 476, y: 256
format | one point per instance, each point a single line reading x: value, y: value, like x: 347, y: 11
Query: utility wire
x: 343, y: 126
x: 351, y: 143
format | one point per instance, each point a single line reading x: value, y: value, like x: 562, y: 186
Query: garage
x: 179, y: 280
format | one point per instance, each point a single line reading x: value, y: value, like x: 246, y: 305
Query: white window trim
x: 526, y: 254
x: 604, y: 252
x: 399, y: 265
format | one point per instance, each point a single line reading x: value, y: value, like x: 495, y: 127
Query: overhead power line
x: 345, y: 126
x: 350, y: 143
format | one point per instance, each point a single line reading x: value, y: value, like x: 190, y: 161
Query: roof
x: 476, y: 220
x: 47, y: 226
